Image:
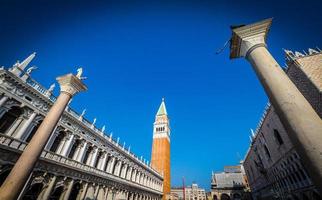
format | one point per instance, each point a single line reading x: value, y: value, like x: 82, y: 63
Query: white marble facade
x: 79, y: 160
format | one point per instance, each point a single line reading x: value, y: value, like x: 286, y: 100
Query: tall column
x: 128, y: 175
x: 81, y: 153
x: 110, y: 170
x: 67, y: 145
x: 101, y: 193
x: 18, y: 176
x: 66, y: 194
x: 25, y: 126
x: 301, y: 122
x: 45, y: 194
x: 103, y: 162
x: 90, y: 194
x: 124, y: 171
x: 110, y: 195
x: 83, y: 191
x: 117, y: 168
x: 93, y: 157
x: 15, y: 125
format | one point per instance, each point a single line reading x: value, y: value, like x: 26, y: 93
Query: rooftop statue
x: 80, y: 73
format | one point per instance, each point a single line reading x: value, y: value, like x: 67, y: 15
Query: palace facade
x: 79, y: 161
x: 273, y: 166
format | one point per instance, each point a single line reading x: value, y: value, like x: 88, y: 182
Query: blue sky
x: 135, y: 53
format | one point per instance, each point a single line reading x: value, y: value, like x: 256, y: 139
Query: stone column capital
x: 245, y: 38
x: 70, y: 84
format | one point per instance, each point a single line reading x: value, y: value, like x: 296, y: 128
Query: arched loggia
x: 9, y: 118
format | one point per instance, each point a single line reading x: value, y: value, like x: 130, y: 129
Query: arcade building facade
x: 79, y: 161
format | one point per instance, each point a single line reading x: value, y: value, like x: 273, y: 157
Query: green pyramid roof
x: 162, y: 109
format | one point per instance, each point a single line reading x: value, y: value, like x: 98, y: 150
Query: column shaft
x: 103, y: 163
x: 46, y: 192
x: 14, y: 127
x: 25, y: 126
x: 67, y: 145
x: 19, y: 174
x: 93, y: 157
x: 68, y: 191
x: 80, y: 156
x: 302, y: 123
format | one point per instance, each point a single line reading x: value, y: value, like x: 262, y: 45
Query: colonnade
x: 48, y: 186
x: 20, y: 122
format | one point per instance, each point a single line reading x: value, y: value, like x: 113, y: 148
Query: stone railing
x: 19, y: 145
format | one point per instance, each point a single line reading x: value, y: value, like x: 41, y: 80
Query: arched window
x: 278, y: 137
x: 8, y: 119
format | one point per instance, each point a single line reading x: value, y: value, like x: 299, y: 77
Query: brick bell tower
x: 160, y: 159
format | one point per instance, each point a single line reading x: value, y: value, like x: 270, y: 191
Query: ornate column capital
x: 70, y: 84
x: 246, y: 38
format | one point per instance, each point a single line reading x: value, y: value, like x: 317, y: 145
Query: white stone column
x: 93, y: 157
x: 83, y: 191
x: 111, y: 166
x: 101, y: 193
x: 3, y: 100
x: 134, y: 171
x: 15, y: 125
x: 110, y: 195
x: 90, y: 192
x: 10, y: 189
x: 302, y: 123
x: 45, y: 194
x: 103, y: 163
x: 66, y: 194
x: 128, y: 175
x: 81, y: 153
x: 51, y: 139
x: 117, y: 168
x: 67, y: 145
x: 124, y: 171
x: 62, y: 143
x: 25, y: 126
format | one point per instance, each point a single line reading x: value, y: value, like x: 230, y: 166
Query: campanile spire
x: 160, y: 159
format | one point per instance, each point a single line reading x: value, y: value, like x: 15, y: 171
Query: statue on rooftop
x: 30, y: 69
x: 80, y: 73
x: 51, y: 88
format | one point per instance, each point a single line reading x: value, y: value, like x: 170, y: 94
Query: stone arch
x: 214, y: 197
x: 10, y: 118
x: 224, y: 196
x: 58, y: 140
